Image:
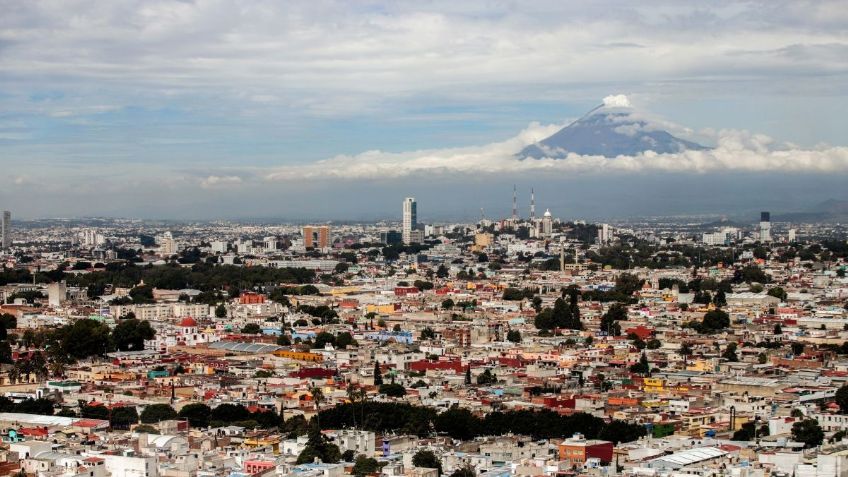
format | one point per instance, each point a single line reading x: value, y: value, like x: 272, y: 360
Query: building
x: 6, y: 229
x: 167, y: 244
x: 577, y: 450
x: 410, y: 219
x: 547, y: 224
x: 316, y: 236
x: 765, y: 227
x: 791, y: 235
x: 391, y: 237
x: 604, y: 234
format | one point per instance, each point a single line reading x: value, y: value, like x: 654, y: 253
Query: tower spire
x: 514, y: 203
x: 532, y: 204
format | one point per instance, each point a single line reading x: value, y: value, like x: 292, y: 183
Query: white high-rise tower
x: 410, y: 219
x: 6, y: 229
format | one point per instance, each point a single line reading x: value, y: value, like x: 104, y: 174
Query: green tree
x: 196, y: 413
x: 365, y: 465
x: 251, y: 329
x: 447, y: 304
x: 464, y: 472
x: 642, y: 367
x: 123, y: 417
x: 221, y: 311
x: 428, y: 460
x: 84, y: 338
x: 778, y: 293
x: 318, y: 446
x: 427, y: 333
x: 378, y: 376
x: 609, y: 321
x: 129, y: 335
x: 486, y: 377
x: 513, y: 336
x: 392, y: 390
x: 730, y: 353
x: 841, y: 398
x: 809, y: 432
x: 156, y: 413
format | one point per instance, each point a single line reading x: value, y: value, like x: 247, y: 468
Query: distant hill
x: 831, y: 210
x: 611, y: 129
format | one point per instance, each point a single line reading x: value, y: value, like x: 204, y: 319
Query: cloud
x: 213, y: 182
x: 735, y: 151
x: 617, y: 101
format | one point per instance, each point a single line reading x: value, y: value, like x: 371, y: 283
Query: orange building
x: 577, y: 450
x: 251, y: 298
x: 316, y: 236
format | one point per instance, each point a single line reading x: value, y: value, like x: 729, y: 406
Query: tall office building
x: 168, y: 245
x: 410, y: 220
x: 765, y: 227
x: 317, y: 237
x: 6, y: 229
x: 604, y: 234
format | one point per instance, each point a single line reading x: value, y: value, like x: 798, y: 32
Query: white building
x: 6, y: 229
x: 410, y: 219
x: 167, y: 244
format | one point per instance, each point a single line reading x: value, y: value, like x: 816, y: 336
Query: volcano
x: 612, y: 129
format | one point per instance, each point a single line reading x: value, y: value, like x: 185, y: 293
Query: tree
x: 609, y: 321
x: 130, y: 335
x: 778, y: 330
x: 427, y: 333
x: 714, y: 320
x: 447, y: 304
x: 123, y: 417
x: 642, y: 367
x: 464, y: 472
x: 809, y: 432
x: 156, y: 413
x: 221, y: 311
x: 841, y: 399
x: 378, y: 376
x: 322, y: 339
x: 486, y: 377
x: 428, y: 460
x: 730, y: 353
x: 365, y: 465
x: 513, y: 336
x: 797, y: 348
x: 392, y: 390
x: 778, y: 293
x: 720, y: 299
x: 345, y: 339
x: 318, y: 447
x: 251, y: 329
x: 84, y: 338
x: 653, y: 343
x: 94, y: 412
x: 196, y: 413
x: 468, y: 375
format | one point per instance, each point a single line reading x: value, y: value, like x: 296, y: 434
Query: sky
x: 339, y: 109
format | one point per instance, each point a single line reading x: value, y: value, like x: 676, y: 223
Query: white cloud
x: 735, y: 151
x: 617, y: 101
x: 212, y: 182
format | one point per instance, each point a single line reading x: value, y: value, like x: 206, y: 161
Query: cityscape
x: 392, y: 239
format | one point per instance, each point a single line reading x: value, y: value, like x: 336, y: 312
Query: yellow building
x: 299, y: 355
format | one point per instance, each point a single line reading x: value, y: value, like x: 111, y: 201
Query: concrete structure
x: 6, y: 230
x: 410, y: 219
x: 316, y: 236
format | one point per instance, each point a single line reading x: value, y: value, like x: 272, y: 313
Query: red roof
x: 188, y: 322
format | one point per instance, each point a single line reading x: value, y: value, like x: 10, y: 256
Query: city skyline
x: 185, y: 110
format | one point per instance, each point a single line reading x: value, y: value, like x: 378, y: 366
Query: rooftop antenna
x: 532, y: 204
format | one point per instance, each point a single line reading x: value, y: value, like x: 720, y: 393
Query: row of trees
x: 462, y: 424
